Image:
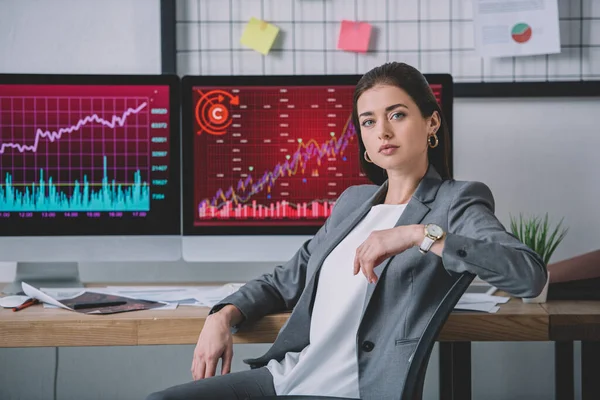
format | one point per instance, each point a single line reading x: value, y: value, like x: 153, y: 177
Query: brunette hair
x: 416, y: 86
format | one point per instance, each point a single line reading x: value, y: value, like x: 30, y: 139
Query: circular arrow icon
x: 212, y: 114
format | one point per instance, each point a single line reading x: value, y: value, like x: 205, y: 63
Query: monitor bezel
x: 187, y: 139
x: 170, y: 223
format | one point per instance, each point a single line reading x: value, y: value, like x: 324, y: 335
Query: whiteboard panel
x: 432, y: 35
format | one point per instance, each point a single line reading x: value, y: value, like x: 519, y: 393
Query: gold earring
x: 435, y: 141
x: 367, y: 157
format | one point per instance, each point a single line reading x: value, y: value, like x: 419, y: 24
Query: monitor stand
x: 45, y: 275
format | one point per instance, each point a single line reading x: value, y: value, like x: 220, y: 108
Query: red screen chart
x: 82, y: 150
x: 271, y: 155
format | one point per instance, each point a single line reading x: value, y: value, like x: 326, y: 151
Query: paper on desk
x: 212, y: 297
x: 168, y: 306
x: 170, y: 294
x: 69, y: 293
x: 63, y: 297
x: 202, y: 296
x: 485, y: 307
x: 482, y: 298
x: 43, y: 297
x: 480, y: 302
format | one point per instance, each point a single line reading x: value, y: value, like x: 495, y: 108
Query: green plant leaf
x: 555, y: 240
x: 537, y: 234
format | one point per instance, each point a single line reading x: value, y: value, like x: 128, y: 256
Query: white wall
x: 80, y: 36
x: 537, y: 155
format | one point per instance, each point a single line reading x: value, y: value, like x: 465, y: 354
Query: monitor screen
x: 89, y: 155
x: 270, y: 155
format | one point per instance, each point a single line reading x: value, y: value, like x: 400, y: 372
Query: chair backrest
x: 415, y: 376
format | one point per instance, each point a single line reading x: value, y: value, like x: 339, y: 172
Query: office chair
x: 414, y: 379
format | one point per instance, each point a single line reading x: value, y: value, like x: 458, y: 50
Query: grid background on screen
x: 103, y: 127
x: 436, y: 36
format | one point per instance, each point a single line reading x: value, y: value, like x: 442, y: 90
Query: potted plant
x: 536, y: 233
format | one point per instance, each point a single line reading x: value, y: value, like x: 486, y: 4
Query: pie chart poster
x: 505, y: 28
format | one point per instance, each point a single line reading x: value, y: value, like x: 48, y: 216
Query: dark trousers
x: 233, y: 386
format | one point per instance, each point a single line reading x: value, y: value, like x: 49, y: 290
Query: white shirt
x: 328, y: 365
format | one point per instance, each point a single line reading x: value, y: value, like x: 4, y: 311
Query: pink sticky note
x: 354, y: 36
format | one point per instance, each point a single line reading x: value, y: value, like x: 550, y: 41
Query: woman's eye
x: 367, y: 122
x: 397, y: 115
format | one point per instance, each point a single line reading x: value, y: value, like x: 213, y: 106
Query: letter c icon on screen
x: 218, y: 114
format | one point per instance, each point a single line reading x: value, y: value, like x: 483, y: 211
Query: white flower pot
x: 542, y: 296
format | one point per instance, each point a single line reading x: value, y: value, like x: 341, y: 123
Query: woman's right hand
x: 215, y: 342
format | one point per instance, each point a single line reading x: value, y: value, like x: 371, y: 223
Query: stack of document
x: 90, y: 302
x: 199, y: 296
x: 172, y: 296
x: 480, y: 302
x: 209, y: 295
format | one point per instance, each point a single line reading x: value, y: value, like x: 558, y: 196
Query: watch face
x: 435, y: 230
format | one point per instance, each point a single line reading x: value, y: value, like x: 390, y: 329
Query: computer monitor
x: 90, y: 171
x: 265, y: 158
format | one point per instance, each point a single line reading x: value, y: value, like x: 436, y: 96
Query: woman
x: 363, y: 289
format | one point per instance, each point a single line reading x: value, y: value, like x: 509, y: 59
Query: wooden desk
x: 39, y: 327
x: 515, y: 321
x: 575, y: 321
x: 36, y: 327
x: 560, y: 321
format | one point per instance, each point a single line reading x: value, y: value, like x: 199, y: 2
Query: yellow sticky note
x: 259, y: 35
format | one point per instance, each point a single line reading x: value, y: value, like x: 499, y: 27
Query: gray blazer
x: 410, y: 285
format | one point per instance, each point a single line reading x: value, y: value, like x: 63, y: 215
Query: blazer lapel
x: 336, y: 235
x: 415, y: 211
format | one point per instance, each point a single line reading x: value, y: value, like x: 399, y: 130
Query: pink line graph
x: 55, y: 135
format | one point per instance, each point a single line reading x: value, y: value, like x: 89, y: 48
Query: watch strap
x: 426, y: 244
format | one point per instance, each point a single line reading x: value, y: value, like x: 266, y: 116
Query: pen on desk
x: 80, y: 306
x: 26, y: 304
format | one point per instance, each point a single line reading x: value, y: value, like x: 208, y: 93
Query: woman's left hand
x: 384, y: 244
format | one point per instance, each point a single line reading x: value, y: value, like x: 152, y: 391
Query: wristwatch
x: 432, y: 233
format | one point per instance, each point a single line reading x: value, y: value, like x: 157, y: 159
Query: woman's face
x: 392, y: 128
